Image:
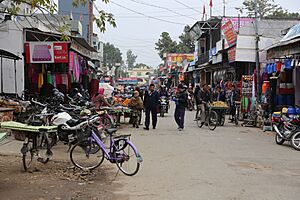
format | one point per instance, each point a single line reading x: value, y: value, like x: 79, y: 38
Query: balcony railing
x: 203, y: 58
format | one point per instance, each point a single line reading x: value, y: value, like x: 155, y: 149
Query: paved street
x: 229, y: 163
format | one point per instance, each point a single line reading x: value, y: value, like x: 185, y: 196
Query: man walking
x: 204, y: 99
x: 181, y: 104
x: 151, y: 102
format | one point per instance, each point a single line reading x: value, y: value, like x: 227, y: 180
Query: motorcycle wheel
x: 162, y: 113
x: 279, y: 140
x: 295, y: 141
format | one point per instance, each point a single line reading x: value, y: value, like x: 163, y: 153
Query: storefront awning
x: 8, y: 55
x: 91, y: 64
x: 81, y: 46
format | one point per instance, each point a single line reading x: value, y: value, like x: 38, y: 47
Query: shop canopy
x: 8, y: 55
x: 11, y: 56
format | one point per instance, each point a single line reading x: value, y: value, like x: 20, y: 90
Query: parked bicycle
x: 211, y: 118
x: 90, y: 153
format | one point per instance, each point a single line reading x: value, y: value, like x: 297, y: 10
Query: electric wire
x: 151, y: 17
x: 161, y: 7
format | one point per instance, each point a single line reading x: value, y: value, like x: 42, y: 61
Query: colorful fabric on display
x: 74, y: 66
x: 58, y: 79
x: 94, y: 86
x: 40, y: 81
x: 54, y: 80
x: 278, y: 66
x: 64, y: 78
x: 49, y: 78
x: 288, y: 63
x: 35, y: 78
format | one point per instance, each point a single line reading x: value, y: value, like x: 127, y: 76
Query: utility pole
x: 257, y: 65
x: 224, y: 8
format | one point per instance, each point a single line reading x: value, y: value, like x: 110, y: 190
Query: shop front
x: 281, y: 77
x: 55, y: 64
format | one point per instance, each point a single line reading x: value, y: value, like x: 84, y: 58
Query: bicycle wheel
x: 107, y: 122
x: 126, y: 158
x: 86, y: 155
x: 198, y: 119
x: 27, y: 151
x: 212, y: 120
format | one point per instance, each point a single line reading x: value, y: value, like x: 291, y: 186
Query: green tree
x: 112, y: 55
x: 264, y: 8
x: 131, y: 59
x: 50, y: 7
x: 284, y: 14
x: 186, y: 43
x: 165, y: 44
x: 142, y: 65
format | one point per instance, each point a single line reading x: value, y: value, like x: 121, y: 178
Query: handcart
x: 221, y: 109
x: 38, y: 141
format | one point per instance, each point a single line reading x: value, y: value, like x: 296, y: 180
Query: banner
x: 46, y: 52
x: 232, y: 54
x: 229, y: 33
x: 237, y: 22
x: 247, y: 83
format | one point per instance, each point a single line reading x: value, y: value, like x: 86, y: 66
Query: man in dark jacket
x: 151, y: 102
x: 181, y: 104
x: 204, y: 99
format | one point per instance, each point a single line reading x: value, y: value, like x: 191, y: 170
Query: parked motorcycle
x: 286, y: 124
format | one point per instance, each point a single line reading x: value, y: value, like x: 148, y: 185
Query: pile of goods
x: 219, y: 104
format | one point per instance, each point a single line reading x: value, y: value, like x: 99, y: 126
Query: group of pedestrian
x: 149, y: 101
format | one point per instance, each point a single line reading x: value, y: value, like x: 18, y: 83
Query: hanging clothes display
x: 40, y: 80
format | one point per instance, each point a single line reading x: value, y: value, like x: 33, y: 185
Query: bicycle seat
x: 74, y: 122
x: 111, y: 131
x: 122, y: 136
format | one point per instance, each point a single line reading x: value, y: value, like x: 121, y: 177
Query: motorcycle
x: 191, y: 105
x: 287, y: 128
x: 163, y: 106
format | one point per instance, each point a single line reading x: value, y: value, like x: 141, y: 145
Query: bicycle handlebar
x: 38, y: 103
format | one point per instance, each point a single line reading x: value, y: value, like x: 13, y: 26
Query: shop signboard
x: 46, y: 52
x: 237, y: 22
x: 247, y: 85
x: 230, y: 33
x: 232, y: 54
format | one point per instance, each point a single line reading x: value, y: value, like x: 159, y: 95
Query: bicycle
x: 211, y: 118
x: 90, y: 153
x: 37, y: 144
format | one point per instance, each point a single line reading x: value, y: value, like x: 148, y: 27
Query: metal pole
x: 257, y: 65
x: 224, y: 8
x: 1, y: 74
x: 16, y: 88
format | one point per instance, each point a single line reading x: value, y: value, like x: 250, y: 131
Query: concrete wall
x: 11, y: 39
x: 65, y: 8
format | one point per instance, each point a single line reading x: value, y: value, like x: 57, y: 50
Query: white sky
x: 139, y: 33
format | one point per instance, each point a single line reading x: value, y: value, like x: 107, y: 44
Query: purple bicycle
x: 89, y: 154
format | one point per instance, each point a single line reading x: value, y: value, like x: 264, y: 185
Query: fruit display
x: 219, y: 104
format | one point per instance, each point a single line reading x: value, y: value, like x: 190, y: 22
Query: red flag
x: 210, y: 3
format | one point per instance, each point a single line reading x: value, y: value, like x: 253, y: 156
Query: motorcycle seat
x: 74, y: 122
x: 111, y: 131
